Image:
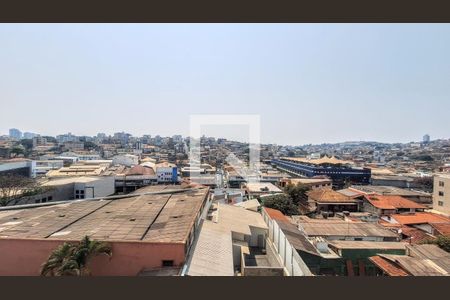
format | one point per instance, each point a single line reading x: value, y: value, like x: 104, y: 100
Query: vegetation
x: 298, y: 193
x: 423, y: 157
x: 441, y: 241
x: 72, y: 259
x: 281, y: 202
x: 294, y: 196
x: 90, y: 146
x: 14, y: 188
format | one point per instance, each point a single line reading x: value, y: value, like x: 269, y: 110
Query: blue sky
x: 310, y: 83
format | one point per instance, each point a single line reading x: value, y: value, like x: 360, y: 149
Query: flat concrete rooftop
x: 148, y: 218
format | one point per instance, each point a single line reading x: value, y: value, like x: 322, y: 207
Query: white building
x: 43, y: 166
x: 128, y: 160
x: 22, y: 167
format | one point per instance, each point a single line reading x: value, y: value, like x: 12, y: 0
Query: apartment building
x: 441, y: 193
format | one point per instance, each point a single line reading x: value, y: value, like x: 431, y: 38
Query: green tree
x: 72, y: 259
x: 14, y: 188
x: 298, y: 193
x: 90, y: 146
x: 281, y: 202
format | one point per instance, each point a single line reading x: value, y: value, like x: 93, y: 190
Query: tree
x: 72, y: 259
x: 14, y: 188
x: 281, y: 202
x: 442, y: 241
x: 298, y: 193
x: 90, y: 146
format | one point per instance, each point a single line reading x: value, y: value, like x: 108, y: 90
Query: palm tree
x: 60, y: 263
x: 87, y: 249
x: 72, y: 259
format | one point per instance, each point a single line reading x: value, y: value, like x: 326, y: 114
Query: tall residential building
x: 426, y: 138
x: 441, y: 193
x: 29, y: 135
x: 15, y: 133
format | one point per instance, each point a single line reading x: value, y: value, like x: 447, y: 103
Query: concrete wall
x: 25, y: 257
x: 292, y: 262
x: 103, y: 186
x: 57, y: 193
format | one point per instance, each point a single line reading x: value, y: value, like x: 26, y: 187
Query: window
x: 441, y: 203
x: 167, y: 263
x: 77, y: 192
x: 441, y: 183
x: 441, y: 193
x: 50, y: 198
x: 37, y: 201
x: 43, y: 200
x: 77, y: 196
x: 81, y: 192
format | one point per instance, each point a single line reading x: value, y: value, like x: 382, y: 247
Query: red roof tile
x: 441, y: 228
x: 392, y: 202
x: 275, y: 214
x: 417, y: 235
x: 388, y: 267
x: 419, y: 218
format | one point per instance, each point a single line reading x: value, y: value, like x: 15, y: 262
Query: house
x: 415, y: 196
x: 232, y: 240
x: 257, y: 189
x: 312, y: 183
x: 330, y: 200
x: 387, y: 205
x: 345, y: 231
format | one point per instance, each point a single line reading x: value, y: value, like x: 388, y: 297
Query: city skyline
x: 310, y: 83
x: 110, y: 135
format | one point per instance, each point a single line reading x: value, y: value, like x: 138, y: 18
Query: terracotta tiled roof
x: 419, y: 218
x: 388, y: 267
x: 441, y: 228
x: 326, y: 195
x: 140, y: 170
x: 392, y: 202
x: 417, y: 235
x: 275, y: 214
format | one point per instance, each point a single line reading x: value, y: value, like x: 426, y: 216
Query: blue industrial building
x: 339, y: 173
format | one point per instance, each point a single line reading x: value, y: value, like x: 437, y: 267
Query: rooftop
x: 392, y: 202
x: 388, y: 267
x: 213, y: 251
x: 419, y: 218
x: 148, y: 218
x: 329, y: 196
x: 69, y: 180
x: 369, y: 245
x: 256, y: 187
x: 319, y: 161
x: 308, y: 180
x: 387, y: 190
x: 335, y: 228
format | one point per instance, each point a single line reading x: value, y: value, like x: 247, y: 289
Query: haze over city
x: 309, y: 83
